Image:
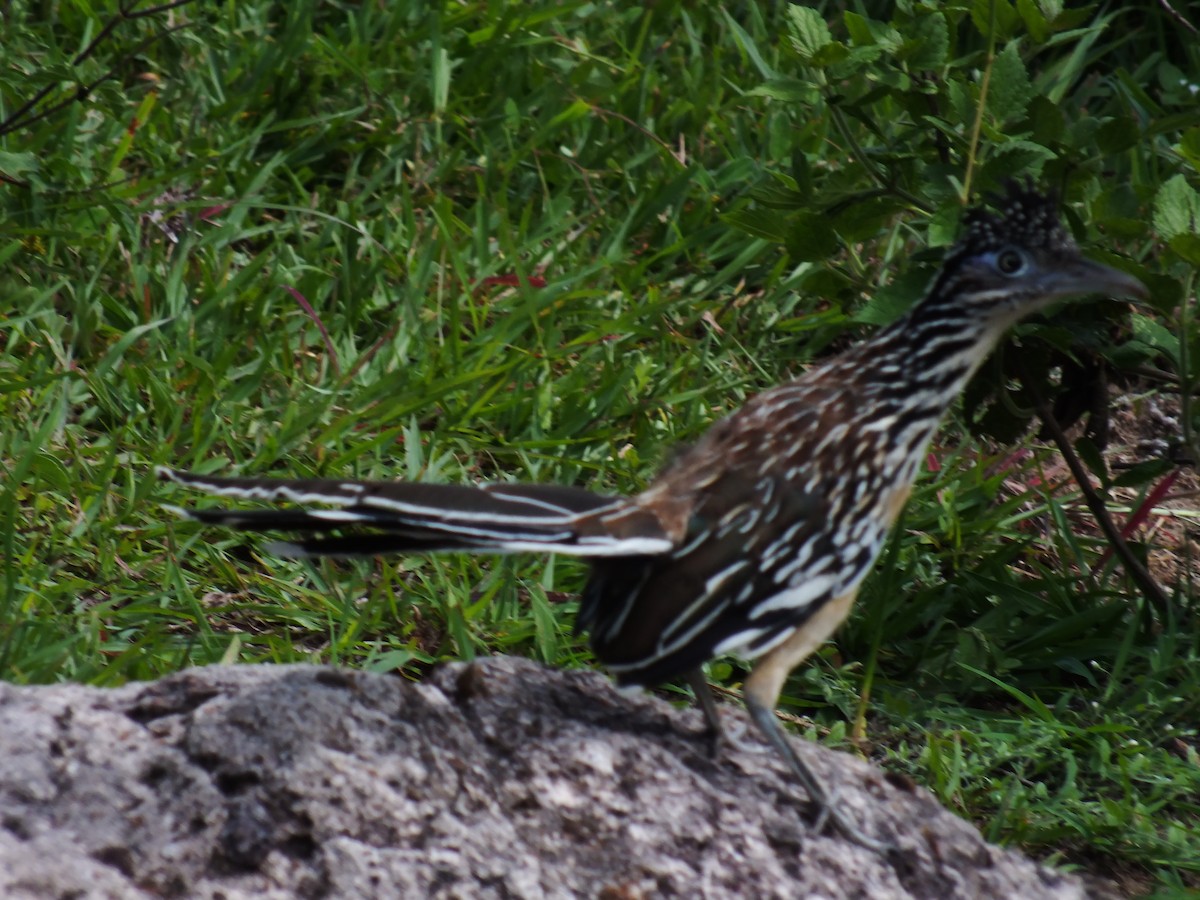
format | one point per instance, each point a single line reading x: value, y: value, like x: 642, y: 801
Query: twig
x: 1095, y: 502
x: 984, y: 84
x: 1174, y: 14
x: 23, y: 116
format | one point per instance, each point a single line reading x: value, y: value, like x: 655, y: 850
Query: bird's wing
x: 753, y: 564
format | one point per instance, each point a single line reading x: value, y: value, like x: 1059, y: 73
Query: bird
x: 754, y: 541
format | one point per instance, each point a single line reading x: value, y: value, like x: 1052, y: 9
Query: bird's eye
x: 1010, y: 261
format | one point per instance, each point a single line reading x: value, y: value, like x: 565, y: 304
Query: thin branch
x: 1133, y: 566
x: 22, y: 117
x: 984, y: 84
x: 1174, y: 14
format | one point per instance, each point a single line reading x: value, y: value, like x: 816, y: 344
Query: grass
x: 550, y: 242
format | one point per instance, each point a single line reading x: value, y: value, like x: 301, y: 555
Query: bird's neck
x: 932, y: 351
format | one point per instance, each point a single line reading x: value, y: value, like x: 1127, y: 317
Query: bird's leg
x: 761, y: 693
x: 828, y: 809
x: 713, y: 730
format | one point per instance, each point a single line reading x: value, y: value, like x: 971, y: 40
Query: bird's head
x: 1017, y: 259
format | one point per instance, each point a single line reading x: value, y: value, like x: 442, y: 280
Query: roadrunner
x: 754, y: 542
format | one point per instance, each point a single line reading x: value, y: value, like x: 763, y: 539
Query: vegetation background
x: 551, y: 240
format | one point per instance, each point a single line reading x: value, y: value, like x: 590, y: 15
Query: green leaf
x: 931, y: 37
x: 891, y: 301
x: 809, y: 238
x: 1118, y: 211
x: 749, y: 47
x: 1035, y: 151
x: 578, y: 110
x: 1189, y: 147
x: 836, y: 52
x: 1051, y: 9
x: 116, y: 353
x: 808, y: 32
x: 1017, y: 158
x: 1187, y: 246
x: 1117, y: 135
x: 1034, y: 19
x: 1176, y: 208
x: 943, y: 225
x: 1006, y: 18
x: 1143, y: 472
x: 512, y: 114
x: 125, y: 144
x: 963, y: 98
x: 17, y: 165
x: 1009, y: 90
x: 789, y: 90
x: 859, y: 29
x: 1046, y: 118
x: 1152, y: 332
x: 442, y: 68
x: 1033, y: 704
x: 545, y: 628
x: 780, y: 194
x: 863, y: 218
x: 758, y: 222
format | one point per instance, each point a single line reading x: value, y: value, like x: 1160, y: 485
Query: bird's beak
x: 1086, y: 277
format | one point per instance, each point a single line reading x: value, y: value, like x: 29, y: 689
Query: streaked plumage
x: 755, y: 541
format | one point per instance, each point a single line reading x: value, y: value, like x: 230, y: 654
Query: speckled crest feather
x: 1025, y: 217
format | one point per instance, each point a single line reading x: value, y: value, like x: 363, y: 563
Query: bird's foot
x: 726, y: 739
x: 830, y: 812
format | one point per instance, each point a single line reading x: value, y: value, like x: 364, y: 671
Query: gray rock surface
x: 493, y: 779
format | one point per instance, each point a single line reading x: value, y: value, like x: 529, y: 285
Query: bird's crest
x: 1024, y: 216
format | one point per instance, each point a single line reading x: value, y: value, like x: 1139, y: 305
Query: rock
x: 492, y: 779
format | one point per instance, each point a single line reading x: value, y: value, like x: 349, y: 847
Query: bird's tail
x: 406, y: 517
